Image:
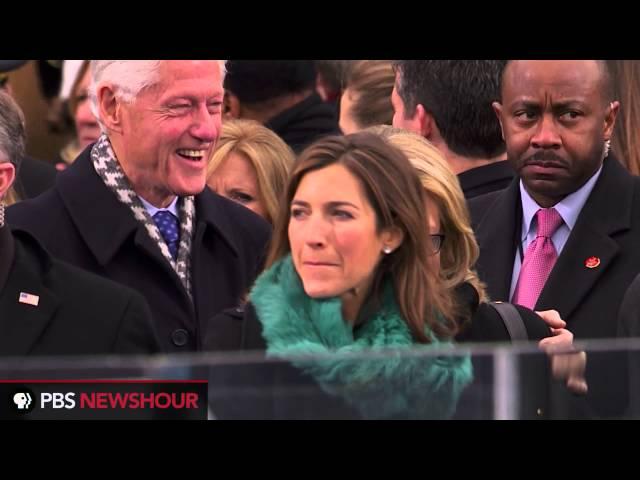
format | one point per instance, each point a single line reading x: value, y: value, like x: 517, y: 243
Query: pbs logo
x: 22, y: 400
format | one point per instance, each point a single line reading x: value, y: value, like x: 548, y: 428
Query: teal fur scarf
x: 396, y: 385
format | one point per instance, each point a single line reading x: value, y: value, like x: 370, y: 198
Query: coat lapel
x: 7, y: 254
x: 496, y: 234
x: 606, y: 213
x: 105, y: 223
x: 570, y: 280
x: 212, y: 222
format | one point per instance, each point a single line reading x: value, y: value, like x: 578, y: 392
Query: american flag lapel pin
x: 29, y: 299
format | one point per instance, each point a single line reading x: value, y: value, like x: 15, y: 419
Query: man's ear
x: 497, y: 107
x: 420, y: 122
x: 109, y: 108
x: 424, y: 121
x: 610, y: 119
x: 7, y: 177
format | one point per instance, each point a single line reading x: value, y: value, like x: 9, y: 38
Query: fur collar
x: 389, y: 386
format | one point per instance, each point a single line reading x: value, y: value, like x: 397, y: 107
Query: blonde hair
x: 271, y: 158
x: 460, y: 249
x: 11, y: 197
x: 369, y: 84
x: 73, y: 96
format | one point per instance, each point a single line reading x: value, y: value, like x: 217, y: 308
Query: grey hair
x: 13, y: 137
x: 128, y: 77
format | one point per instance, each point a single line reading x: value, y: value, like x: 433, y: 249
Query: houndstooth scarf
x: 107, y: 167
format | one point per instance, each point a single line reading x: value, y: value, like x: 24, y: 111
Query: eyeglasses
x: 437, y: 240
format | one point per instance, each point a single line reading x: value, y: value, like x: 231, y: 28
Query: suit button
x: 180, y: 337
x: 539, y: 412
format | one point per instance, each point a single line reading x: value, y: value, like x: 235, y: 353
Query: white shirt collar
x: 172, y: 208
x: 569, y: 207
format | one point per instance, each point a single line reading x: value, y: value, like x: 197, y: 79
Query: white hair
x: 128, y: 78
x: 223, y: 69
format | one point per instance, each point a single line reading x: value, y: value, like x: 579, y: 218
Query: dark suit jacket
x: 34, y: 178
x: 279, y: 390
x: 588, y: 299
x: 488, y: 178
x: 305, y: 123
x: 77, y: 313
x: 629, y: 326
x: 82, y: 222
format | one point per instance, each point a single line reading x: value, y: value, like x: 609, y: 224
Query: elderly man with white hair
x: 134, y: 208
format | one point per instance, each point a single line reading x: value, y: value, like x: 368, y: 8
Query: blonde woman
x: 250, y: 165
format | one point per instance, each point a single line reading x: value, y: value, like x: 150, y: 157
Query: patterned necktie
x: 169, y: 228
x: 539, y: 259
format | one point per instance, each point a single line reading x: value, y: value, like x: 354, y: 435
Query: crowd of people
x: 331, y: 208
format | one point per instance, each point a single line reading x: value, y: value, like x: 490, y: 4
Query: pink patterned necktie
x: 539, y: 259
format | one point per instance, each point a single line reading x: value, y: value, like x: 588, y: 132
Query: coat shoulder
x: 479, y: 206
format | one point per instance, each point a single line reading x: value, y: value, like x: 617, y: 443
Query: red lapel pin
x: 592, y: 262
